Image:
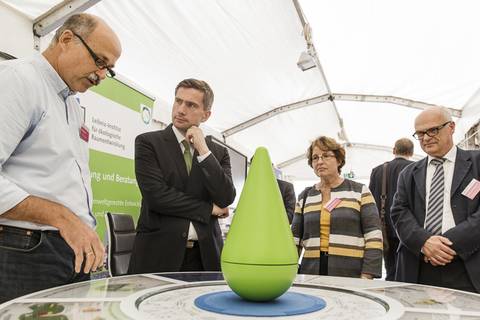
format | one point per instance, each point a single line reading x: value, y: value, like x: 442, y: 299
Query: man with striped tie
x: 436, y: 210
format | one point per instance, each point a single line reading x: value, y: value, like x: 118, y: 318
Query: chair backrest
x: 121, y: 234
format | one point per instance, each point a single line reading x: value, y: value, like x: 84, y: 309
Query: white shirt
x: 192, y: 233
x: 41, y: 153
x: 448, y: 166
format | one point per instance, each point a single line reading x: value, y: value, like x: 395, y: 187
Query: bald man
x: 47, y: 235
x: 436, y: 210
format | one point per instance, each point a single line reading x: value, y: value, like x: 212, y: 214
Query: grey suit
x: 408, y: 215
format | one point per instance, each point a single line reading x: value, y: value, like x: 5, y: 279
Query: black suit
x: 408, y: 216
x: 394, y: 168
x: 172, y: 199
x: 288, y: 196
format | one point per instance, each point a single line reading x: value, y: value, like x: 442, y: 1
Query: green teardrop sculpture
x: 259, y: 260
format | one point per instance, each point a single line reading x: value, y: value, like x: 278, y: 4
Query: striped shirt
x: 355, y: 239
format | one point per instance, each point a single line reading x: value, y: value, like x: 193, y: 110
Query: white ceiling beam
x: 350, y: 145
x: 334, y: 96
x: 313, y: 53
x: 390, y: 99
x: 56, y: 16
x: 274, y: 112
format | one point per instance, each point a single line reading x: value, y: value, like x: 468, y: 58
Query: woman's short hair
x: 328, y: 144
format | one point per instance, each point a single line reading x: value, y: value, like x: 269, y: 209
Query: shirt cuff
x: 11, y: 197
x: 201, y: 158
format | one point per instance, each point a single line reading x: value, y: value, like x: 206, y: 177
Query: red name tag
x: 84, y: 134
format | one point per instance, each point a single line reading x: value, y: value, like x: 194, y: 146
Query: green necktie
x: 187, y: 155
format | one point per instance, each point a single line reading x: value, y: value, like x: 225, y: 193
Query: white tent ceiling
x: 424, y: 51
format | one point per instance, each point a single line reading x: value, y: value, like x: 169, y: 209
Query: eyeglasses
x: 100, y: 63
x: 325, y: 156
x: 432, y: 132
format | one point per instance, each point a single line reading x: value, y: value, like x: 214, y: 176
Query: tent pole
x: 54, y: 17
x: 350, y: 145
x: 313, y: 53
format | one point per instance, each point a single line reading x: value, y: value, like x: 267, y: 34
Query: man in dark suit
x: 183, y: 194
x: 402, y: 150
x: 436, y: 210
x: 288, y: 196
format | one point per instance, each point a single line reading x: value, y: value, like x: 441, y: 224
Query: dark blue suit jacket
x: 408, y: 216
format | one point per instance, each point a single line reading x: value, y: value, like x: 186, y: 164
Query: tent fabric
x: 247, y: 50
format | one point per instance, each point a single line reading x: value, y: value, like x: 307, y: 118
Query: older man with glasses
x: 436, y: 210
x: 47, y: 235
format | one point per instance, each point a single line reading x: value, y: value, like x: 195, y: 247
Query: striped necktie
x: 187, y: 156
x: 433, y: 222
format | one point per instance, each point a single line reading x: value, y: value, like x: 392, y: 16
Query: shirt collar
x: 180, y: 137
x: 57, y: 82
x: 449, y: 156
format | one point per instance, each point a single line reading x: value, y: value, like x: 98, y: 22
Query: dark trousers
x: 453, y: 275
x: 192, y: 260
x: 323, y: 264
x: 34, y: 260
x: 390, y: 258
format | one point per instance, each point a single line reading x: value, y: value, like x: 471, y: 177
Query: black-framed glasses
x: 324, y: 156
x: 100, y: 63
x: 432, y: 132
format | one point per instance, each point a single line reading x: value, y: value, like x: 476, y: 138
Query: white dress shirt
x: 448, y: 166
x: 192, y: 233
x: 41, y: 152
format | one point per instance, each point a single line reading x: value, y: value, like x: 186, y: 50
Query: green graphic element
x: 119, y: 92
x: 47, y: 311
x: 259, y: 259
x: 114, y: 187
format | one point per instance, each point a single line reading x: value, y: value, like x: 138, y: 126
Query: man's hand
x: 195, y: 136
x: 84, y: 242
x: 81, y: 238
x: 220, y: 212
x: 437, y: 251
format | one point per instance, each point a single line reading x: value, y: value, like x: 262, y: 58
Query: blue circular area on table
x: 289, y: 304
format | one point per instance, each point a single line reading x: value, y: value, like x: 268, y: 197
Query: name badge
x: 84, y: 133
x: 472, y: 189
x: 332, y: 204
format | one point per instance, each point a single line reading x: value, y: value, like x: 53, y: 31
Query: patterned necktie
x: 433, y: 222
x: 187, y: 155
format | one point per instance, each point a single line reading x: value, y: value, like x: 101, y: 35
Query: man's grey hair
x: 82, y: 24
x: 446, y: 113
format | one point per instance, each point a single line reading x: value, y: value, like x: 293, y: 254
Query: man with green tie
x: 186, y: 185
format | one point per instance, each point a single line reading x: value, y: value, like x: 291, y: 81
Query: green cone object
x: 259, y: 260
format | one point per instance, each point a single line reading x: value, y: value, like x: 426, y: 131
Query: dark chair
x: 121, y: 235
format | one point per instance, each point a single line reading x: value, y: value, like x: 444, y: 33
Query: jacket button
x: 184, y: 234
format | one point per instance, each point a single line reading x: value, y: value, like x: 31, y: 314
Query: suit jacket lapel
x: 462, y: 166
x: 176, y: 153
x: 419, y: 176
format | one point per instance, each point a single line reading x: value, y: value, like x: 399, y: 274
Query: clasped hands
x: 220, y: 212
x: 437, y: 251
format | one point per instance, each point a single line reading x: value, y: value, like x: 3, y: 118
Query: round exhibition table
x: 172, y: 296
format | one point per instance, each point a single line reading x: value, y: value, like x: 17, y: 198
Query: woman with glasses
x: 336, y: 220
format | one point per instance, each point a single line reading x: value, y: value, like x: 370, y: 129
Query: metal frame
x: 313, y: 53
x: 355, y: 145
x: 56, y: 16
x: 332, y: 97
